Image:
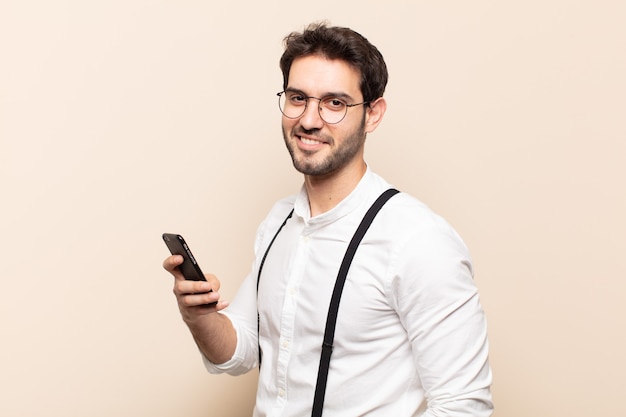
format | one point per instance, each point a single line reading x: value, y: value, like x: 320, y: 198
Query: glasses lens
x: 333, y: 110
x: 292, y: 105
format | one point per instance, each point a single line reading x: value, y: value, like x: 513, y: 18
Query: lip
x: 309, y: 142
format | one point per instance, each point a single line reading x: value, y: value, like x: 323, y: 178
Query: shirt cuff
x: 231, y: 366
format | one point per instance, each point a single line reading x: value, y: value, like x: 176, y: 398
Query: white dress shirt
x: 411, y: 337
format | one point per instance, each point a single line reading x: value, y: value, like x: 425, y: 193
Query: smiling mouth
x: 308, y: 141
x: 310, y: 138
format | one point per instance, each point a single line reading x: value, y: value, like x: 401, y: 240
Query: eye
x: 296, y: 99
x: 334, y: 104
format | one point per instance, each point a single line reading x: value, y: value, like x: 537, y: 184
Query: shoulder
x: 425, y: 256
x: 409, y: 225
x: 274, y: 218
x: 407, y: 211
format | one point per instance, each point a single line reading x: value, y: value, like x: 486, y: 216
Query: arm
x: 213, y: 332
x: 439, y: 305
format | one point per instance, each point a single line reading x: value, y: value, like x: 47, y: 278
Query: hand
x: 195, y: 298
x: 198, y: 301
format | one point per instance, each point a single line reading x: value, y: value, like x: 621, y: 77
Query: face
x: 318, y: 148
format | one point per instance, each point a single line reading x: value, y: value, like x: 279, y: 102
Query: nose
x: 311, y: 118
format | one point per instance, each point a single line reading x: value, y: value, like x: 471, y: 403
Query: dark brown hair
x: 338, y: 43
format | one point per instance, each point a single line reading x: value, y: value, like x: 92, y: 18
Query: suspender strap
x: 331, y: 320
x: 258, y: 277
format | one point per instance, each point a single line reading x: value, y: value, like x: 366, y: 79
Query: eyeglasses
x: 331, y: 109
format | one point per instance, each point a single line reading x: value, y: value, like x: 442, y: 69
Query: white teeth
x: 309, y: 141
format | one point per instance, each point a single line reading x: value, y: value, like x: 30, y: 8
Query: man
x: 410, y: 337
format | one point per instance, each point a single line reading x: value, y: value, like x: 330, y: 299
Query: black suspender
x: 258, y: 277
x: 331, y: 320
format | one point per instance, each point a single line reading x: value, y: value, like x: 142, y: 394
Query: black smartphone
x: 177, y: 246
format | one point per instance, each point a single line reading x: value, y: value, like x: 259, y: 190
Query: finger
x: 212, y: 279
x: 208, y: 299
x: 185, y: 287
x: 193, y: 312
x: 171, y: 264
x: 221, y: 304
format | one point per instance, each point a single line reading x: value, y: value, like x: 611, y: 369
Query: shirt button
x: 285, y: 343
x: 281, y: 392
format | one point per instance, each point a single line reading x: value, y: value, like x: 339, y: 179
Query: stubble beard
x: 305, y: 163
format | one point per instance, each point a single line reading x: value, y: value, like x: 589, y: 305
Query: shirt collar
x: 354, y: 200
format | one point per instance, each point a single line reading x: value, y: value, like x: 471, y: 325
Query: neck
x: 325, y: 192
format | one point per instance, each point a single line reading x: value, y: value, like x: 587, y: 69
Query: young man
x: 410, y: 336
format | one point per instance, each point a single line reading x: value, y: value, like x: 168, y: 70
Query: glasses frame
x: 319, y: 107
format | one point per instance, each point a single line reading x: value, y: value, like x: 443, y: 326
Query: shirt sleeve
x: 438, y: 303
x: 242, y: 311
x: 242, y: 314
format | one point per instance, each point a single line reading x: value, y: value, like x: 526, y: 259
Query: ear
x: 375, y: 113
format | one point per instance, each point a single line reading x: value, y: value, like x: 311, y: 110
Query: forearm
x: 215, y: 336
x: 200, y: 304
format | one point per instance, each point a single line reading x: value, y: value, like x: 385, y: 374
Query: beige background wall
x: 120, y: 120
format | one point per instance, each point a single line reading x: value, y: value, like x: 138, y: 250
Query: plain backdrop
x: 121, y: 120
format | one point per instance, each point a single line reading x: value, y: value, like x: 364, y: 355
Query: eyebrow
x: 341, y: 95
